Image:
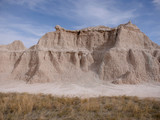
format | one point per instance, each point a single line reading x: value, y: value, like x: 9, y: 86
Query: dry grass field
x: 24, y: 106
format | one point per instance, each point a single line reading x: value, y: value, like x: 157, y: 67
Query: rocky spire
x: 59, y: 28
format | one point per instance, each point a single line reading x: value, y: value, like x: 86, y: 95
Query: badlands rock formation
x: 121, y: 55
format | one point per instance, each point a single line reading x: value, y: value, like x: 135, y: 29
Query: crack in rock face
x: 121, y: 55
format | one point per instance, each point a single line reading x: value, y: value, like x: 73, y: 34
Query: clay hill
x: 120, y: 55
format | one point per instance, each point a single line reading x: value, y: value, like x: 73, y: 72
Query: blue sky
x: 28, y: 20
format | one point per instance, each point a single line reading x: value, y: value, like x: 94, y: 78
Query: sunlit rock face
x: 120, y: 55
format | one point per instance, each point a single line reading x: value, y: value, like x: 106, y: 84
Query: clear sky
x: 28, y: 20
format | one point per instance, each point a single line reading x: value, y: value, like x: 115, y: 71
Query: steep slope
x: 121, y: 55
x: 9, y: 55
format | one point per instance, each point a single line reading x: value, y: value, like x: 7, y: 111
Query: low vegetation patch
x: 16, y: 106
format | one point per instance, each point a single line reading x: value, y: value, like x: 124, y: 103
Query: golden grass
x: 16, y: 106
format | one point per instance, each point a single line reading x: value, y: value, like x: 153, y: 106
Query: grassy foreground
x: 16, y: 106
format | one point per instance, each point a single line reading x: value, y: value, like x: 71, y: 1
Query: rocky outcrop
x: 9, y: 55
x: 121, y: 55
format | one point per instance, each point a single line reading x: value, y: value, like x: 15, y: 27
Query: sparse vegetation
x: 16, y: 106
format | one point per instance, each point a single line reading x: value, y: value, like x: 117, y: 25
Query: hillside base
x: 83, y: 88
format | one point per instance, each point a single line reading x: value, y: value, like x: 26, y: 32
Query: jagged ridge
x: 121, y: 55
